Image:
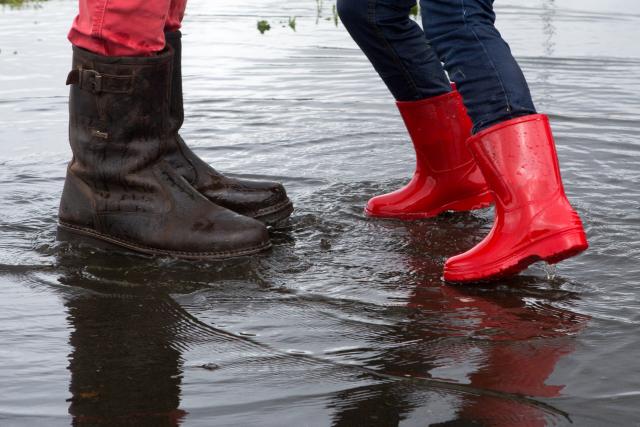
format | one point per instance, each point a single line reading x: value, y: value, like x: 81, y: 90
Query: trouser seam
x: 489, y: 60
x: 396, y: 58
x: 100, y: 11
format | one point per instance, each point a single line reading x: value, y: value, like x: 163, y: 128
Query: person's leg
x: 446, y: 178
x: 119, y: 186
x: 176, y: 14
x: 396, y: 47
x: 121, y: 27
x: 478, y: 60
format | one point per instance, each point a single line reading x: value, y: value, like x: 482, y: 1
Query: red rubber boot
x: 446, y: 176
x: 534, y: 220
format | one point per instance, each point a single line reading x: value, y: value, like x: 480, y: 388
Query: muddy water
x: 346, y: 321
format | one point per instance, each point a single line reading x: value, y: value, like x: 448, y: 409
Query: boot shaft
x: 118, y: 112
x: 439, y: 128
x: 179, y: 155
x: 176, y: 103
x: 519, y: 161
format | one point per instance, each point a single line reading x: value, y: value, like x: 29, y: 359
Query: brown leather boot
x: 119, y: 188
x: 263, y: 200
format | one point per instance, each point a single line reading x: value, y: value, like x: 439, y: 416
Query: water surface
x: 346, y: 321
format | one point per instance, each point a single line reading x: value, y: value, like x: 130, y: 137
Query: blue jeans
x: 457, y: 33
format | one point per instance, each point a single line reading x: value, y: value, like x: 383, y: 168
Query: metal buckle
x: 93, y: 79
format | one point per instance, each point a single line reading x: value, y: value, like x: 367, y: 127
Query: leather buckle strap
x: 95, y: 82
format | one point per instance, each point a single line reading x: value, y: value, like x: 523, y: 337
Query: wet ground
x: 346, y: 321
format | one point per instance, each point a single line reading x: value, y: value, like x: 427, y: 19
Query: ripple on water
x: 346, y: 321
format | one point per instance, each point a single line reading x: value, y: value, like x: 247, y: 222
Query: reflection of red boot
x: 446, y: 177
x: 526, y: 341
x: 534, y: 220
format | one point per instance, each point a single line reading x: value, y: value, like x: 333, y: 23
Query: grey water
x: 346, y: 322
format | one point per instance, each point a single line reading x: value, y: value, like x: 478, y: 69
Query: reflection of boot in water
x: 521, y: 344
x: 384, y: 404
x: 125, y: 365
x: 526, y: 339
x: 510, y: 341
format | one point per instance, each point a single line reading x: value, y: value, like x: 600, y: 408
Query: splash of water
x: 551, y: 270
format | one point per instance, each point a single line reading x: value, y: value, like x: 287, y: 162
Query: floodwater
x: 346, y: 321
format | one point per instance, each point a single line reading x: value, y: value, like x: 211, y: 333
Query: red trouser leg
x: 125, y: 27
x: 176, y: 13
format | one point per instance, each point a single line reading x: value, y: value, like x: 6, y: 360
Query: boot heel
x: 563, y: 246
x: 79, y: 239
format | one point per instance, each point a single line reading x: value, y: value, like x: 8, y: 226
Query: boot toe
x: 395, y: 206
x: 248, y: 235
x: 459, y: 269
x: 381, y: 206
x: 272, y: 195
x: 230, y: 236
x: 255, y: 199
x: 266, y: 194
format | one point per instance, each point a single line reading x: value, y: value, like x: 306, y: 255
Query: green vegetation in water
x: 263, y: 26
x: 15, y: 4
x: 319, y: 7
x: 291, y: 22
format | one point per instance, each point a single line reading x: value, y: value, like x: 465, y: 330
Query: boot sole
x: 480, y: 201
x: 572, y: 242
x: 272, y: 216
x: 192, y: 256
